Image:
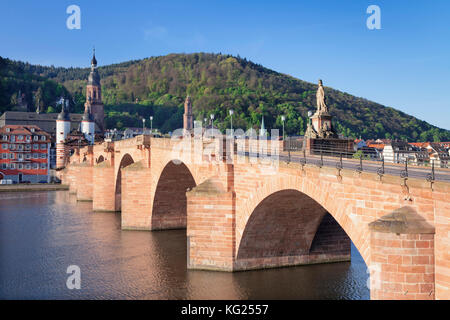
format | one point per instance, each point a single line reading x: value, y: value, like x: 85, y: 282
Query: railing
x: 334, y: 157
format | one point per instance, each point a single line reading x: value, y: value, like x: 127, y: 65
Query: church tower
x: 188, y: 118
x: 94, y: 103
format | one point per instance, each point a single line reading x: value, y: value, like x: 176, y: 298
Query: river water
x: 42, y: 233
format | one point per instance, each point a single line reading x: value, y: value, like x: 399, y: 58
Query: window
x: 32, y: 129
x: 4, y: 166
x: 43, y: 166
x: 28, y: 147
x: 28, y: 166
x: 43, y: 138
x: 20, y: 156
x: 20, y: 137
x: 12, y: 165
x: 35, y: 155
x: 35, y: 165
x: 11, y: 156
x: 5, y: 137
x: 35, y: 138
x: 8, y: 129
x: 5, y: 146
x: 28, y: 138
x: 20, y: 147
x: 20, y: 166
x: 28, y: 156
x: 13, y: 137
x: 4, y: 156
x: 35, y: 147
x: 43, y: 156
x: 43, y: 146
x: 12, y: 147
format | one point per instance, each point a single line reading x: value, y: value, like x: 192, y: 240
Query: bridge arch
x: 288, y: 227
x: 124, y: 162
x: 169, y: 209
x: 285, y: 194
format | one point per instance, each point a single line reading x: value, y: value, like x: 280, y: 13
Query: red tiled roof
x: 378, y: 146
x: 23, y: 129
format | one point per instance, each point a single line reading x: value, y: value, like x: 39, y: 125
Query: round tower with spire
x: 62, y: 130
x: 88, y: 126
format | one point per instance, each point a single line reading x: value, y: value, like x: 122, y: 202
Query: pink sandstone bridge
x: 243, y: 215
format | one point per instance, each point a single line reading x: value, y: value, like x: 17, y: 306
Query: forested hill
x: 216, y: 83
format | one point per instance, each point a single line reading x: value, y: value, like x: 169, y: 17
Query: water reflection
x: 43, y: 233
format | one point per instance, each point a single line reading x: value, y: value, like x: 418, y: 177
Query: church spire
x: 93, y: 61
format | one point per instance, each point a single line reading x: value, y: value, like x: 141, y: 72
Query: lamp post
x: 151, y: 124
x: 212, y: 119
x: 283, y: 118
x: 231, y: 115
x: 309, y: 116
x: 143, y: 125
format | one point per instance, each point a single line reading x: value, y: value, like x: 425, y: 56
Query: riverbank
x: 32, y: 187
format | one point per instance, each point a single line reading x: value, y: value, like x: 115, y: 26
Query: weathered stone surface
x: 248, y: 215
x: 404, y: 220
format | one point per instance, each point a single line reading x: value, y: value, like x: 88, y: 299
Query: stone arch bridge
x: 241, y: 214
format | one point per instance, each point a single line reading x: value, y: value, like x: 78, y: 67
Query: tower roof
x: 94, y: 61
x: 64, y: 115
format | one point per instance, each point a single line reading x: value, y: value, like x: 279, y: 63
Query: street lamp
x: 151, y: 124
x: 212, y: 119
x: 143, y: 125
x: 231, y: 115
x: 283, y: 118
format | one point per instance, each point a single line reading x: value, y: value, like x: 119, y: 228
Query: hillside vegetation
x: 216, y: 83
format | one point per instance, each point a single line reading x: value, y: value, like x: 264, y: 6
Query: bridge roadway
x: 440, y: 174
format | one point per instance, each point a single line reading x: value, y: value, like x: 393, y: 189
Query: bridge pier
x: 84, y: 175
x: 103, y: 187
x: 72, y: 172
x: 136, y: 197
x: 211, y: 227
x: 402, y: 257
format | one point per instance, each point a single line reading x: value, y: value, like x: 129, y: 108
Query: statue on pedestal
x: 320, y: 97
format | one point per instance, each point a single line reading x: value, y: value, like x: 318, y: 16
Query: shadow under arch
x: 290, y: 228
x: 169, y: 209
x: 125, y: 162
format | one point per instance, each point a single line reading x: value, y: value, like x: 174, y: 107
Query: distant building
x: 371, y: 153
x: 45, y: 121
x: 25, y: 154
x: 359, y: 143
x: 401, y: 151
x: 92, y: 121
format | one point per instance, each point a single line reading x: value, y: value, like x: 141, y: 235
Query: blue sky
x: 405, y: 65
